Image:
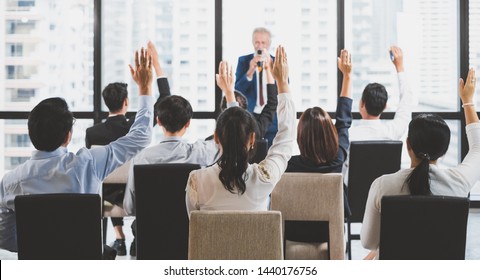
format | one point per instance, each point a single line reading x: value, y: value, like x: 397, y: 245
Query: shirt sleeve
x: 343, y: 123
x: 370, y: 232
x: 397, y: 127
x: 276, y: 161
x: 191, y: 196
x: 469, y: 167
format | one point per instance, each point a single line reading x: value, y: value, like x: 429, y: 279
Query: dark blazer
x: 118, y: 126
x: 249, y: 89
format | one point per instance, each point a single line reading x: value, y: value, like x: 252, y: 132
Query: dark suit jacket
x: 118, y: 126
x: 249, y: 89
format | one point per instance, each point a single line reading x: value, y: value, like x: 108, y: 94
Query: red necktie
x: 260, y: 83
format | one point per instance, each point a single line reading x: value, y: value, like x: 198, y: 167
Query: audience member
x: 52, y: 169
x: 428, y: 140
x: 250, y: 77
x: 233, y: 183
x: 323, y: 145
x: 373, y: 103
x: 323, y: 148
x: 115, y: 96
x: 173, y: 114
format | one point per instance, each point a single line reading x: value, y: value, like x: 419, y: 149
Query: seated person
x: 115, y: 96
x: 52, y: 169
x: 232, y: 183
x: 428, y: 140
x: 373, y: 103
x: 323, y: 149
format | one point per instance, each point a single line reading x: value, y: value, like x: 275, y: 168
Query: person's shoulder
x: 95, y: 128
x: 246, y: 57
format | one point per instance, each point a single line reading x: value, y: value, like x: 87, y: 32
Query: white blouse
x: 205, y: 191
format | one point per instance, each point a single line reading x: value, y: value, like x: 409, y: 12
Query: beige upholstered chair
x: 115, y: 179
x: 235, y: 235
x: 312, y: 197
x: 118, y: 177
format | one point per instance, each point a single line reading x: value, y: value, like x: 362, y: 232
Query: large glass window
x: 307, y: 29
x: 184, y: 35
x: 47, y: 53
x: 426, y: 30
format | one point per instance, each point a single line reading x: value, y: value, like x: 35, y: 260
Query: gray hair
x: 262, y: 30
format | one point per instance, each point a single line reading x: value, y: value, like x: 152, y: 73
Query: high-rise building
x: 46, y: 54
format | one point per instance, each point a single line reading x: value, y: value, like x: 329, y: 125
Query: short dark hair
x: 114, y: 95
x: 375, y: 98
x: 317, y: 137
x: 240, y: 98
x: 49, y: 124
x: 173, y: 112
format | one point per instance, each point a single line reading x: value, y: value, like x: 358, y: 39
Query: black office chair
x: 162, y: 220
x: 59, y: 227
x: 261, y: 150
x: 368, y: 161
x: 423, y: 227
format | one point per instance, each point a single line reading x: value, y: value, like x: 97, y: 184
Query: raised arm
x: 467, y: 91
x: 397, y: 127
x: 280, y: 152
x: 345, y: 66
x: 344, y: 104
x: 469, y: 166
x: 162, y: 81
x: 226, y: 80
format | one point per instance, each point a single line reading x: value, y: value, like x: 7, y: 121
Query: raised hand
x: 226, y: 80
x: 280, y: 66
x: 155, y: 61
x: 142, y: 74
x: 467, y: 89
x: 397, y: 54
x: 344, y: 62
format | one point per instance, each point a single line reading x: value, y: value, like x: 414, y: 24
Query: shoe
x: 133, y: 248
x: 120, y: 247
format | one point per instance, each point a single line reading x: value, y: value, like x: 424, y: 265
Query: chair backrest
x: 119, y: 175
x: 59, y: 226
x: 162, y: 220
x: 423, y: 227
x: 261, y: 150
x: 313, y: 197
x: 235, y: 235
x: 368, y: 161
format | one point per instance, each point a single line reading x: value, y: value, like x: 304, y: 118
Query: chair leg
x: 349, y: 240
x: 105, y: 223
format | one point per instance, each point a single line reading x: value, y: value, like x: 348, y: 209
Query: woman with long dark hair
x: 324, y: 145
x: 428, y: 140
x: 232, y: 183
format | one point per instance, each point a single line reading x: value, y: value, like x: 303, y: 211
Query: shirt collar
x: 171, y: 139
x: 43, y: 154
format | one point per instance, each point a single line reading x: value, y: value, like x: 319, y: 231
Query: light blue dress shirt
x: 61, y: 171
x: 170, y: 150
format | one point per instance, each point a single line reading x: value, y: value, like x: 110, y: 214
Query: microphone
x: 259, y: 63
